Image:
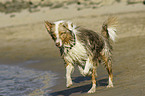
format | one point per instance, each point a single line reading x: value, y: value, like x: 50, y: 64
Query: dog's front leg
x: 69, y: 70
x: 88, y: 66
x: 81, y: 70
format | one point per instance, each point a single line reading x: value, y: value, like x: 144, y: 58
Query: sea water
x: 18, y: 81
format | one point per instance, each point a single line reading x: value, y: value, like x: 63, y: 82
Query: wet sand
x: 24, y: 38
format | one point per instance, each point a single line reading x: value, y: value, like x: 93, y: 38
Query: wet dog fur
x: 85, y: 48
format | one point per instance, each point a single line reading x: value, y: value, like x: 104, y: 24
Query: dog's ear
x: 48, y: 25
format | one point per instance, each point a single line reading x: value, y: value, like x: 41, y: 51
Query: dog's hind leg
x: 69, y: 70
x: 93, y: 89
x: 109, y: 70
x: 108, y: 65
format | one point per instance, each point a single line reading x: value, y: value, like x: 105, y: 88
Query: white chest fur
x: 77, y: 54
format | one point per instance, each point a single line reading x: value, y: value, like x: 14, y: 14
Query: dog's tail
x: 109, y: 28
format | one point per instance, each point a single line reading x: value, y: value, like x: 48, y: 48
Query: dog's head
x: 62, y: 33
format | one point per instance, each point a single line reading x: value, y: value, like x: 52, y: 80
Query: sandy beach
x: 23, y: 38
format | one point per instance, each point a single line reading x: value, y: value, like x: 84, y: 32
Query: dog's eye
x: 62, y: 33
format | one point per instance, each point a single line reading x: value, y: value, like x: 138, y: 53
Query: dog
x: 84, y: 48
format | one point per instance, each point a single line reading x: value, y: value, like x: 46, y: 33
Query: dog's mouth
x: 62, y: 45
x: 67, y: 46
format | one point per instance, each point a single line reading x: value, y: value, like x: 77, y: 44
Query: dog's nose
x: 57, y: 44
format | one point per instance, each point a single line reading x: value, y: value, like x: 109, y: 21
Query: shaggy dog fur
x: 84, y: 47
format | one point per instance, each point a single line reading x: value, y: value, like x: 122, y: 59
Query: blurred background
x: 9, y: 6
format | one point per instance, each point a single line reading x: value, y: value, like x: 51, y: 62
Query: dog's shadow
x: 80, y: 89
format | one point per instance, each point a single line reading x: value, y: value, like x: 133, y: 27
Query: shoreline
x: 59, y: 14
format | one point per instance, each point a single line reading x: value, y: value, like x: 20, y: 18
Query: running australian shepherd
x: 84, y: 47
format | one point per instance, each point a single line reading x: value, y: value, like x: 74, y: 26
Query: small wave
x: 17, y: 81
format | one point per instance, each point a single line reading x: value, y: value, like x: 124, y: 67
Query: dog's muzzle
x: 58, y: 44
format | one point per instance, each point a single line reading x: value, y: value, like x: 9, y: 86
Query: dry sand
x: 23, y: 37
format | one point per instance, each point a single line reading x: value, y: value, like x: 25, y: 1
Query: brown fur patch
x: 51, y: 29
x: 65, y: 34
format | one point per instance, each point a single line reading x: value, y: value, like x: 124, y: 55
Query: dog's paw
x: 89, y: 73
x: 82, y: 73
x: 92, y: 90
x: 110, y: 86
x: 86, y: 73
x: 69, y: 84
